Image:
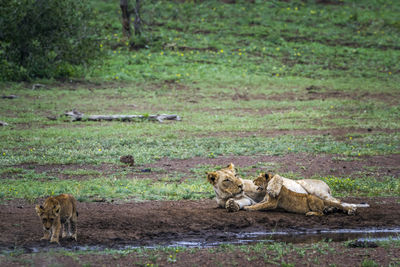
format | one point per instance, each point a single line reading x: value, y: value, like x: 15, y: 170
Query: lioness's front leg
x: 270, y: 204
x: 233, y: 205
x: 274, y: 186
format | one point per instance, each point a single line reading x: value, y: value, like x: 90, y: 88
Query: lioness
x: 292, y: 201
x: 232, y: 192
x: 56, y: 212
x: 314, y: 187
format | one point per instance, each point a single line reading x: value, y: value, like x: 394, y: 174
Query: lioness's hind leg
x: 314, y: 213
x: 316, y: 205
x: 350, y: 210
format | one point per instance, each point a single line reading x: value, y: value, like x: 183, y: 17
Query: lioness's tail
x: 362, y: 205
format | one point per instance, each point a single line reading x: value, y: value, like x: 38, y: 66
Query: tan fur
x: 232, y: 192
x: 291, y: 201
x: 314, y: 187
x: 56, y: 213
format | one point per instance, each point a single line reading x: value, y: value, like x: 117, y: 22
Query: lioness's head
x: 226, y: 183
x: 262, y: 181
x: 48, y: 213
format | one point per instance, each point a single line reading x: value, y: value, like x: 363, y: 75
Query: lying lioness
x: 232, y: 192
x: 292, y: 201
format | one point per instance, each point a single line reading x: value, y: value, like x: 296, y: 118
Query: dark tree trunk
x: 126, y: 26
x: 137, y: 24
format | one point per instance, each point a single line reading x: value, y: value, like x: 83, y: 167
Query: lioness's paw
x: 272, y: 193
x: 232, y: 206
x: 352, y: 211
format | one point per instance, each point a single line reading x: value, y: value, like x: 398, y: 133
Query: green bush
x: 45, y: 38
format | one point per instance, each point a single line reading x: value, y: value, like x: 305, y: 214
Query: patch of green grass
x: 95, y: 148
x: 275, y: 39
x: 81, y: 172
x: 262, y: 78
x: 108, y: 188
x: 369, y: 263
x: 259, y: 253
x: 363, y: 186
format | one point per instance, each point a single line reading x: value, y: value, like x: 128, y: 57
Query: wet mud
x: 195, y: 223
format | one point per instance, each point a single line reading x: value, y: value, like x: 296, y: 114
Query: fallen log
x: 9, y: 96
x: 78, y: 116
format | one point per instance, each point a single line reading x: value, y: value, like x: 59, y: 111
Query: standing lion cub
x: 56, y: 213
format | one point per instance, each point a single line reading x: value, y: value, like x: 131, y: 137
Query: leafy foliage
x: 44, y: 38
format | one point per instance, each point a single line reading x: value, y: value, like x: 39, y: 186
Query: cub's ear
x: 212, y: 177
x: 268, y: 176
x: 39, y: 209
x: 56, y: 209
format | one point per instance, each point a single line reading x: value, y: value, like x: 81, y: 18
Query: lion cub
x: 56, y: 213
x: 290, y: 201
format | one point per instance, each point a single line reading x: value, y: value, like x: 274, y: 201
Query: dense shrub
x: 45, y: 38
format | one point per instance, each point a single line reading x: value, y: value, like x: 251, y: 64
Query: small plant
x: 369, y: 263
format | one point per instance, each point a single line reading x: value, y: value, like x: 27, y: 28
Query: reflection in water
x: 306, y: 236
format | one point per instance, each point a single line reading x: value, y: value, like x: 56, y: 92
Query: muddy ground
x: 152, y: 223
x: 162, y: 222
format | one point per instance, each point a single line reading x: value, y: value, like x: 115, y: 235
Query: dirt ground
x: 162, y: 222
x: 153, y: 223
x: 111, y: 225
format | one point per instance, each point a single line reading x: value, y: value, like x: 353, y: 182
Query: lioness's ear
x: 212, y: 177
x: 231, y: 167
x: 39, y: 209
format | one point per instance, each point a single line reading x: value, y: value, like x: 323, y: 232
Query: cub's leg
x: 46, y: 234
x: 65, y: 228
x: 74, y: 229
x: 233, y: 205
x: 55, y: 229
x: 270, y: 204
x: 316, y: 206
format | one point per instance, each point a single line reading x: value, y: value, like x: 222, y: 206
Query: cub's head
x: 262, y: 181
x: 226, y: 183
x: 49, y: 212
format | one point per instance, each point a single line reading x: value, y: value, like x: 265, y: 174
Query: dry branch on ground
x: 78, y: 116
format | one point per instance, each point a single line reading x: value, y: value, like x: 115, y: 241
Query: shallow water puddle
x: 306, y: 236
x: 291, y: 236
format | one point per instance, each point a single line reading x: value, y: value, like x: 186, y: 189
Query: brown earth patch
x: 311, y: 92
x: 162, y: 222
x: 338, y: 133
x: 77, y: 84
x: 304, y: 165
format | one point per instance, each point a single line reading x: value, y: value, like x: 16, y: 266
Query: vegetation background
x: 248, y: 78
